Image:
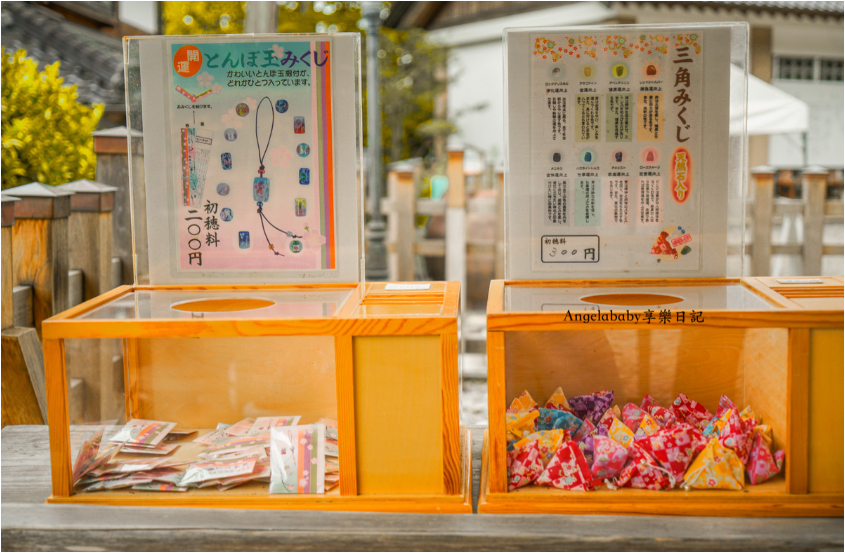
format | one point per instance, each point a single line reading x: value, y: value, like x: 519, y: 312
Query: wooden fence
x: 815, y: 209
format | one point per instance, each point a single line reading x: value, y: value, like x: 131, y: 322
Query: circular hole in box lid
x: 632, y: 299
x: 221, y: 305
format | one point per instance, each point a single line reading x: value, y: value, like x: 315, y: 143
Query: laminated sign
x: 618, y: 147
x: 250, y: 151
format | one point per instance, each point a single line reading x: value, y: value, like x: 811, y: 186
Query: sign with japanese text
x: 618, y: 126
x: 249, y: 180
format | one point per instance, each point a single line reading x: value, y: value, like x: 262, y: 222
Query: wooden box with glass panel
x: 382, y: 362
x: 774, y: 344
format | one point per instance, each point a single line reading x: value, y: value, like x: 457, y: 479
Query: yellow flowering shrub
x: 46, y: 133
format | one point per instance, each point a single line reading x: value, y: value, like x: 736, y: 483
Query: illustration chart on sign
x: 616, y: 146
x: 251, y: 155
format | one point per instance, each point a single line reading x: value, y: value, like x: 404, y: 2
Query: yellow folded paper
x: 520, y: 425
x: 523, y: 404
x: 558, y: 401
x: 648, y: 425
x: 717, y: 467
x: 621, y: 433
x: 549, y: 441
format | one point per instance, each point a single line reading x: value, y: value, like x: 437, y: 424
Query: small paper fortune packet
x: 621, y: 433
x: 762, y: 464
x: 549, y: 441
x: 592, y: 406
x: 558, y: 401
x: 716, y: 467
x: 143, y: 432
x: 674, y: 447
x: 643, y: 472
x: 568, y: 470
x: 691, y: 412
x: 520, y: 425
x: 298, y: 459
x: 609, y: 457
x: 523, y: 404
x: 552, y: 419
x: 524, y: 465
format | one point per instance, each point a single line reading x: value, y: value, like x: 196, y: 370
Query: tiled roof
x: 89, y: 59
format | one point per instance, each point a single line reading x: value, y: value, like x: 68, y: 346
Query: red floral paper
x: 524, y: 465
x: 568, y: 470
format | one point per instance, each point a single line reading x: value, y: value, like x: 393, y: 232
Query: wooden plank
x: 75, y: 285
x: 21, y: 405
x: 346, y: 415
x: 496, y: 381
x: 8, y: 312
x: 113, y: 169
x: 825, y: 403
x: 388, y: 402
x: 201, y: 328
x: 431, y: 247
x: 41, y: 260
x: 496, y: 297
x: 710, y: 319
x: 797, y: 411
x: 764, y: 182
x: 815, y: 191
x: 22, y: 300
x: 46, y: 527
x: 57, y: 405
x: 401, y: 223
x: 449, y: 403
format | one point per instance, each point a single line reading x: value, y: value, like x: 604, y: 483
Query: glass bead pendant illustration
x: 299, y: 125
x: 295, y: 246
x: 242, y: 109
x: 260, y: 189
x: 303, y: 150
x: 305, y: 176
x: 226, y: 160
x: 230, y: 134
x: 261, y: 184
x: 223, y: 189
x: 243, y: 239
x: 299, y: 207
x: 226, y: 214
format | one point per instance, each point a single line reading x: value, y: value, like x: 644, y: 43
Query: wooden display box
x: 383, y: 363
x: 775, y: 346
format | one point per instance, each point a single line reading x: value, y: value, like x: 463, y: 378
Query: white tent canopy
x: 770, y: 109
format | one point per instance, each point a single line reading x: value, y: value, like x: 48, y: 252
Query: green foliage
x: 412, y: 75
x: 319, y: 17
x: 46, y: 134
x: 202, y: 18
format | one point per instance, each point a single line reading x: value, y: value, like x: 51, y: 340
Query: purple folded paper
x: 592, y: 406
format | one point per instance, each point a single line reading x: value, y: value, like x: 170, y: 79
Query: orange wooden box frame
x: 787, y: 363
x: 425, y: 320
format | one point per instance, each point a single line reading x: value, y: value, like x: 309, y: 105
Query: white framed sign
x: 620, y: 158
x: 252, y: 157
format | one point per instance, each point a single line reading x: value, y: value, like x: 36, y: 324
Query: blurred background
x: 433, y: 126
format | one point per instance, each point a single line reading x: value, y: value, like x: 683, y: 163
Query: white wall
x: 477, y: 70
x: 825, y: 143
x: 140, y: 14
